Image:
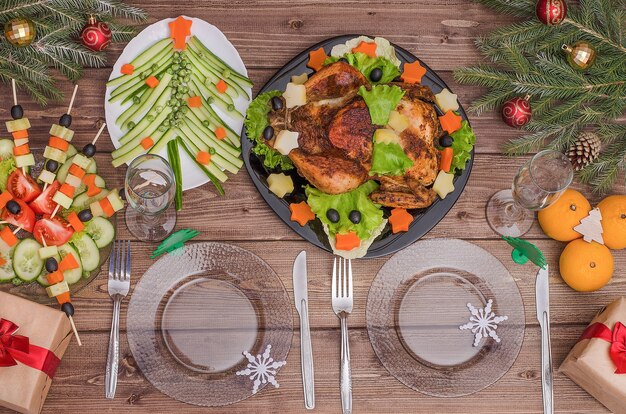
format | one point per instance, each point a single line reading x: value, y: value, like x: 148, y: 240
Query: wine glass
x: 150, y: 189
x: 538, y: 184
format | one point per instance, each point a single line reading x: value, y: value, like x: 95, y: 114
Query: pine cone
x: 585, y: 150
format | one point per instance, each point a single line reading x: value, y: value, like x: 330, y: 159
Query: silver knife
x: 542, y: 297
x: 302, y: 305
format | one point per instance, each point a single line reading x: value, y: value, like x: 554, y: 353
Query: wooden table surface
x: 268, y: 34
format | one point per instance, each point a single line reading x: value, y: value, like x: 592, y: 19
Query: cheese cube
x: 47, y: 176
x: 54, y: 154
x: 444, y: 184
x: 286, y: 141
x: 73, y: 180
x: 116, y: 201
x: 56, y: 290
x: 295, y: 95
x: 96, y: 209
x: 20, y: 141
x: 62, y: 199
x: 61, y: 132
x: 48, y: 251
x: 82, y: 161
x: 18, y: 124
x: 24, y: 160
x: 397, y: 121
x: 300, y: 79
x: 386, y: 136
x: 280, y: 184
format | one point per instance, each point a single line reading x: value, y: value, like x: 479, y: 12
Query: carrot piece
x: 152, y: 82
x: 93, y: 190
x: 68, y: 190
x: 147, y: 143
x: 2, y: 261
x: 77, y: 171
x: 450, y: 122
x: 400, y: 220
x: 127, y: 69
x: 59, y: 143
x: 317, y: 59
x: 203, y: 157
x: 221, y: 86
x: 75, y: 222
x: 179, y: 30
x: 446, y: 159
x: 301, y: 213
x: 107, y: 207
x: 89, y: 179
x: 7, y: 235
x: 4, y: 199
x: 68, y: 263
x: 220, y: 133
x: 194, y: 102
x: 413, y: 72
x: 22, y: 133
x: 64, y: 298
x: 347, y: 241
x: 55, y: 277
x: 369, y: 48
x: 21, y: 150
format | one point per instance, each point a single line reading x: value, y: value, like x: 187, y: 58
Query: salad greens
x: 389, y: 159
x: 464, y: 140
x: 383, y: 48
x: 6, y: 167
x: 255, y: 123
x: 366, y: 64
x: 357, y: 199
x: 381, y: 100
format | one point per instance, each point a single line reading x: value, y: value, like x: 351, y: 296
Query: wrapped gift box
x: 598, y: 361
x: 24, y: 388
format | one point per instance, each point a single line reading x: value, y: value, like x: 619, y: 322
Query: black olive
x: 85, y: 215
x: 89, y: 150
x: 122, y: 193
x: 332, y: 215
x: 65, y: 120
x: 51, y: 265
x: 68, y: 308
x: 376, y: 74
x: 446, y: 141
x: 277, y: 103
x: 17, y: 112
x: 52, y: 165
x: 355, y: 216
x: 268, y: 132
x: 13, y: 207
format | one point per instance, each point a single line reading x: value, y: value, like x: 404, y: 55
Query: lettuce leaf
x: 366, y: 65
x: 357, y: 199
x: 255, y: 123
x: 389, y: 159
x: 464, y: 140
x: 383, y: 48
x: 6, y: 168
x: 381, y: 100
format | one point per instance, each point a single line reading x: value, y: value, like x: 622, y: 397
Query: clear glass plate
x: 417, y: 303
x: 195, y: 311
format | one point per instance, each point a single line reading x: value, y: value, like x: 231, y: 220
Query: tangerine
x: 613, y: 209
x: 586, y: 267
x: 558, y: 220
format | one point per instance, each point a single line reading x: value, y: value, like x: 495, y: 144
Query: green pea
x: 184, y: 109
x: 166, y: 122
x: 210, y: 100
x: 187, y: 78
x: 143, y: 75
x: 150, y: 118
x: 136, y: 100
x: 226, y: 74
x: 170, y: 71
x: 175, y: 67
x: 130, y: 124
x: 231, y: 107
x: 179, y: 95
x: 158, y: 109
x: 162, y: 128
x: 154, y: 66
x: 206, y: 123
x: 211, y: 150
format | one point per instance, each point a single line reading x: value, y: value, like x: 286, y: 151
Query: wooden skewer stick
x: 98, y: 134
x: 69, y: 108
x: 56, y: 210
x: 14, y: 92
x: 45, y: 185
x: 44, y: 242
x: 75, y: 331
x: 17, y: 229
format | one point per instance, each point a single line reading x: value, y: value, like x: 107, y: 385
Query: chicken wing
x: 329, y: 172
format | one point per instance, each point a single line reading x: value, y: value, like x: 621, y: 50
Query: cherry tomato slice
x: 55, y: 231
x: 22, y: 187
x: 24, y: 219
x: 43, y: 204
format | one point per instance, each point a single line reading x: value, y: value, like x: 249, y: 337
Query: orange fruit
x: 613, y: 209
x: 558, y: 220
x: 586, y: 267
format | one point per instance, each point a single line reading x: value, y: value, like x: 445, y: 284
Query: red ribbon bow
x: 17, y: 348
x: 617, y: 339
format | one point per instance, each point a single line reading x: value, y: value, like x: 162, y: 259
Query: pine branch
x: 117, y: 9
x: 12, y: 8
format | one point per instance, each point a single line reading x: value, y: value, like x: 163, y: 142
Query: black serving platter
x: 386, y: 243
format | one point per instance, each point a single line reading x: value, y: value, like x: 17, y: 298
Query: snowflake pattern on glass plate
x: 261, y: 369
x: 483, y: 323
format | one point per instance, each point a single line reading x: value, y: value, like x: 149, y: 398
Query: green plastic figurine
x: 524, y: 251
x: 174, y: 242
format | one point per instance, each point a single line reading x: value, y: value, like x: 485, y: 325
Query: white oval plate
x: 215, y: 40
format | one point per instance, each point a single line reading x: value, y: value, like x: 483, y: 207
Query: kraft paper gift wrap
x: 23, y: 388
x: 590, y: 365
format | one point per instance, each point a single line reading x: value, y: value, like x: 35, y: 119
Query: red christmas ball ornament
x: 516, y: 112
x: 551, y: 12
x: 96, y: 35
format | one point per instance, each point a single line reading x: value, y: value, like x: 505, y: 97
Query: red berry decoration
x: 516, y: 112
x: 96, y: 35
x: 551, y: 12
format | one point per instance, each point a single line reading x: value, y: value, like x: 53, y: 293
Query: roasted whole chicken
x: 335, y: 138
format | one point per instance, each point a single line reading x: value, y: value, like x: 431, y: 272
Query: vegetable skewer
x: 18, y: 128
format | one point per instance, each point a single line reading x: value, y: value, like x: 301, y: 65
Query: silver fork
x: 119, y: 284
x: 342, y: 299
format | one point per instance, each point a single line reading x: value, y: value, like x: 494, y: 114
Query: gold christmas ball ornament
x: 581, y: 55
x: 19, y: 32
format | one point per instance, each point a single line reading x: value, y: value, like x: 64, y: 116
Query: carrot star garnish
x: 400, y: 220
x: 347, y: 241
x: 301, y: 213
x: 413, y: 72
x: 369, y: 48
x: 317, y: 59
x: 179, y: 30
x: 450, y: 122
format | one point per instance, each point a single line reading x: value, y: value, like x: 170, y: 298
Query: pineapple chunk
x: 24, y: 160
x: 447, y: 101
x: 295, y: 95
x: 299, y: 79
x: 280, y: 184
x: 398, y: 122
x: 56, y: 290
x: 47, y: 176
x: 18, y: 124
x: 444, y: 184
x: 386, y: 136
x: 286, y: 141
